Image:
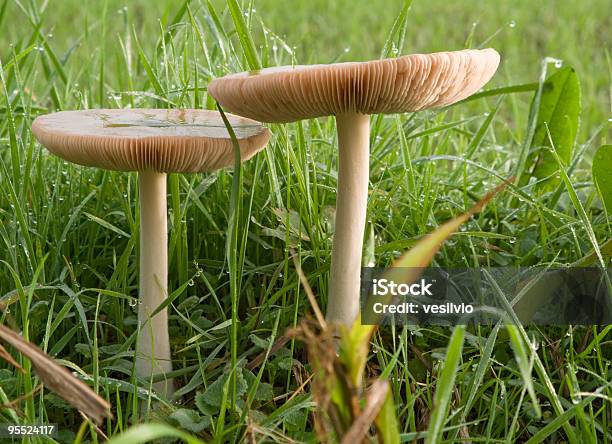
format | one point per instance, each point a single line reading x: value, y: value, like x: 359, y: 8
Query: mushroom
x: 153, y: 142
x: 352, y: 91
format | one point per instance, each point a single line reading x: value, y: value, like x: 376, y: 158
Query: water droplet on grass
x: 512, y: 24
x: 558, y: 63
x: 133, y: 302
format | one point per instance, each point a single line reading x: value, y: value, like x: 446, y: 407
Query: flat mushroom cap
x: 182, y: 141
x: 409, y: 83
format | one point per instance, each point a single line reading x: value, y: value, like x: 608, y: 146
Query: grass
x: 69, y: 235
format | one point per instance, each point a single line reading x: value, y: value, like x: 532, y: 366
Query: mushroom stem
x: 351, y: 205
x: 153, y: 342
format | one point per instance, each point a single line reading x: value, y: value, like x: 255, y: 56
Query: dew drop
x: 558, y: 63
x: 133, y: 302
x: 191, y: 283
x: 512, y: 24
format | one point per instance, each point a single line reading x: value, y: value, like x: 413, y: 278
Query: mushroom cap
x: 409, y: 83
x: 163, y: 140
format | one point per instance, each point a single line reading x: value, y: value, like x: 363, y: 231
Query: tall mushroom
x: 153, y: 142
x: 352, y: 91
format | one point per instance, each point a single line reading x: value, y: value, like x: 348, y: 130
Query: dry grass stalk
x: 58, y: 379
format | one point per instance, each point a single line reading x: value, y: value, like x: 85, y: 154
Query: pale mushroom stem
x: 351, y: 205
x: 153, y: 342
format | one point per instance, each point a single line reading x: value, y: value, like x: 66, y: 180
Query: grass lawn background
x: 82, y: 222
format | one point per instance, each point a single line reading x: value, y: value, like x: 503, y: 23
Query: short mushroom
x: 351, y: 91
x: 153, y: 142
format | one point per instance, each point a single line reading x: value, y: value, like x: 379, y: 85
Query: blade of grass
x: 246, y: 40
x: 144, y: 433
x: 445, y: 385
x: 232, y: 251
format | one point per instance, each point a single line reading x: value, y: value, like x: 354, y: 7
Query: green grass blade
x: 246, y: 40
x: 233, y: 236
x: 395, y: 41
x: 523, y: 87
x: 602, y: 175
x: 445, y: 385
x: 525, y: 365
x: 579, y: 208
x: 144, y: 433
x: 556, y: 423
